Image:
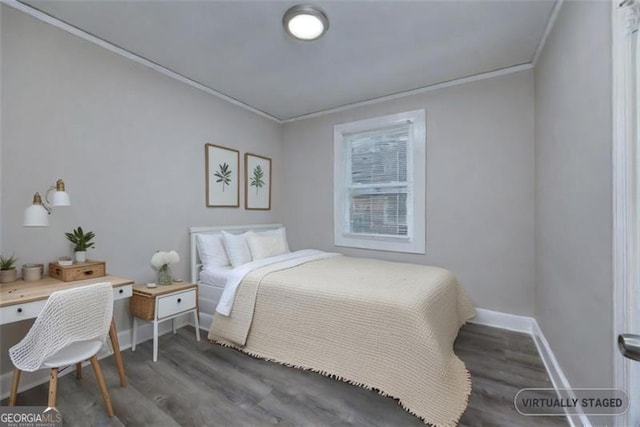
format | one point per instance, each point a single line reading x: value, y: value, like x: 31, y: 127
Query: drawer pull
x: 88, y: 272
x: 19, y: 310
x: 121, y: 291
x: 179, y: 300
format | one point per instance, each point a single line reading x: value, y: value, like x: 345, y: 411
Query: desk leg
x: 113, y: 334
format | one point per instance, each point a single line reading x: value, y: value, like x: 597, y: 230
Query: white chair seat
x: 78, y: 351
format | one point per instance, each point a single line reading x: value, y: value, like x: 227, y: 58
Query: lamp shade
x: 60, y: 198
x: 36, y: 216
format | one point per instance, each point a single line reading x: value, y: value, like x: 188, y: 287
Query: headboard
x: 195, y: 263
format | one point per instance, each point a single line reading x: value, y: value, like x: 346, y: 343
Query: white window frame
x: 415, y: 241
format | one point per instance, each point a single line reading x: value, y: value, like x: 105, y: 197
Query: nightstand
x: 162, y: 303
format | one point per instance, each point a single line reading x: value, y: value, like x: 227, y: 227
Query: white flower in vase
x: 162, y: 261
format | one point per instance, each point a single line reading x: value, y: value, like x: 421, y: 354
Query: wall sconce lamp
x: 37, y: 215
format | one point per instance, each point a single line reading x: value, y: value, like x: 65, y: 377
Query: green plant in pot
x: 8, y: 272
x: 81, y: 242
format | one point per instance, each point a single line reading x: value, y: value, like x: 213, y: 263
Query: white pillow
x: 211, y: 250
x: 237, y: 248
x: 281, y: 233
x: 267, y: 243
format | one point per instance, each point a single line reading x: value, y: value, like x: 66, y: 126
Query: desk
x: 22, y: 300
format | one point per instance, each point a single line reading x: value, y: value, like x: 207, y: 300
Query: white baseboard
x: 557, y: 376
x: 529, y: 325
x: 497, y: 319
x: 205, y: 321
x: 32, y: 379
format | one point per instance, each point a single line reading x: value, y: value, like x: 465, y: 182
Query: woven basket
x: 142, y: 307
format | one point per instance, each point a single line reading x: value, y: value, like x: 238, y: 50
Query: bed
x: 376, y: 324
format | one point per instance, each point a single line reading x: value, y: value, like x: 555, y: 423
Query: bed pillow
x: 281, y: 233
x: 211, y: 250
x: 237, y: 248
x: 266, y: 244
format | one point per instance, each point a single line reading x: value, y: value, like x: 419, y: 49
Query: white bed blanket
x: 276, y: 263
x: 378, y: 324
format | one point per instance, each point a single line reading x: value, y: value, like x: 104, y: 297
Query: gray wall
x: 480, y: 186
x: 129, y: 143
x: 573, y: 132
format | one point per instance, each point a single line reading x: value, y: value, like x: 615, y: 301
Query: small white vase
x: 32, y: 272
x: 81, y: 256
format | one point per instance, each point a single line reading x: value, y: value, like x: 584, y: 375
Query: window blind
x: 378, y: 185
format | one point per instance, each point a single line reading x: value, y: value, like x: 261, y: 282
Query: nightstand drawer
x: 169, y: 305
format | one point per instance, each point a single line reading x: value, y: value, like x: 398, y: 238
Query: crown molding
x: 131, y: 56
x: 547, y: 30
x: 16, y: 4
x: 424, y: 89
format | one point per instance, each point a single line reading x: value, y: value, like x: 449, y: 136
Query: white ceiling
x: 372, y: 48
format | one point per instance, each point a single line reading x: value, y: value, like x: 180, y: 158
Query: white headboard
x: 195, y: 263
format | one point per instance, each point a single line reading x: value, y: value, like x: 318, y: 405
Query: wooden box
x: 79, y: 271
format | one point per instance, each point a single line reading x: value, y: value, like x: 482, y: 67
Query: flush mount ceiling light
x: 305, y: 22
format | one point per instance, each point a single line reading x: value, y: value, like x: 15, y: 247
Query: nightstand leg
x: 134, y: 334
x: 155, y: 340
x: 173, y: 324
x: 197, y: 323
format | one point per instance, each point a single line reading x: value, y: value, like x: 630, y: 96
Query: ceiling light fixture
x: 305, y: 22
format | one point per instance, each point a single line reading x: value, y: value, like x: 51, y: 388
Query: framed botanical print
x: 257, y: 183
x: 222, y: 166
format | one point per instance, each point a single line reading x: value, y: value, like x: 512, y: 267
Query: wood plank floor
x: 202, y: 384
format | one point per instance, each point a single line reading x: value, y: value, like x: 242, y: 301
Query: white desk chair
x: 71, y: 328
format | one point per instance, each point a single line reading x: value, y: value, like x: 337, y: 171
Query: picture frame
x: 222, y: 168
x: 257, y: 183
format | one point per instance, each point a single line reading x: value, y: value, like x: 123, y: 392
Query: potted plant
x: 81, y: 242
x: 8, y: 272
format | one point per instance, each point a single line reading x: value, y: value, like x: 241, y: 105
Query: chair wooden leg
x: 113, y: 334
x: 53, y: 387
x: 102, y: 385
x: 14, y: 387
x: 79, y: 370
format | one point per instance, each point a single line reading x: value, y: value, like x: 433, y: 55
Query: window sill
x: 380, y: 243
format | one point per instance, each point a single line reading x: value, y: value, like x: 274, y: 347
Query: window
x: 379, y: 183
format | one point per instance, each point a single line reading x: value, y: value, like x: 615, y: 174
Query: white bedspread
x: 378, y: 324
x: 279, y: 262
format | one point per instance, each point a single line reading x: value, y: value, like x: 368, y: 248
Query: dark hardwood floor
x: 202, y: 384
